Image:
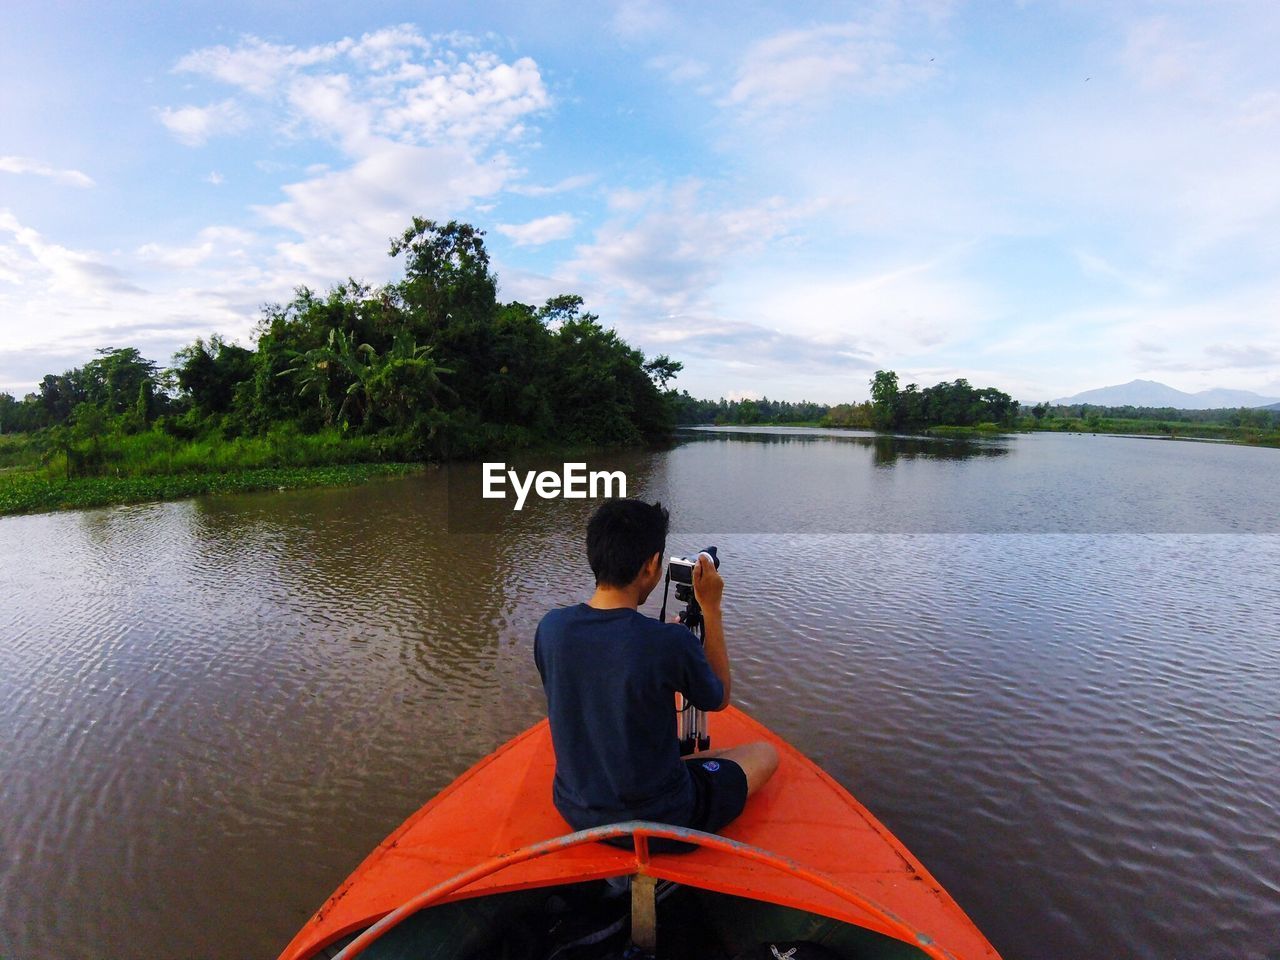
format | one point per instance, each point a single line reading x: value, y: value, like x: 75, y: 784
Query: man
x: 611, y: 675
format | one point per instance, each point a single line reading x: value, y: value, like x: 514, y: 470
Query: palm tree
x: 334, y: 362
x: 406, y: 377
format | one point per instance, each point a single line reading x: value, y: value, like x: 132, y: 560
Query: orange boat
x: 486, y: 869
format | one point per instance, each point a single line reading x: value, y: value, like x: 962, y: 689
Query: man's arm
x: 708, y: 587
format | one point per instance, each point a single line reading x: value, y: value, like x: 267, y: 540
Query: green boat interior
x: 591, y: 921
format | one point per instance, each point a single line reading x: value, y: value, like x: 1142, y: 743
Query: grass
x: 154, y: 465
x: 30, y: 491
x: 155, y: 453
x: 16, y: 449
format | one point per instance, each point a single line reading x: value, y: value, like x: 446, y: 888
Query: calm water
x: 1050, y: 664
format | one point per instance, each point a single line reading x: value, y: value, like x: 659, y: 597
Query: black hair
x: 621, y: 537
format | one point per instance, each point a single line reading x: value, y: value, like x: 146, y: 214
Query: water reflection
x: 885, y: 450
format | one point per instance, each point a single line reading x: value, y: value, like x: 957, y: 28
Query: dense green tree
x: 662, y: 369
x: 686, y: 409
x: 208, y: 373
x: 957, y: 403
x: 112, y: 380
x: 884, y: 398
x: 58, y: 396
x: 405, y: 381
x: 13, y: 418
x: 446, y: 273
x: 855, y: 415
x: 748, y: 412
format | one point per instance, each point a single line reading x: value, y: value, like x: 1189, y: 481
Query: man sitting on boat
x: 611, y: 675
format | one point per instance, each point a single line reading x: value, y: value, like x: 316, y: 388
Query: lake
x: 1049, y: 663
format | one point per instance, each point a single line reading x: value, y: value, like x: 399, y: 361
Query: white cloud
x: 644, y: 18
x: 897, y: 313
x: 575, y: 182
x: 325, y: 103
x: 422, y: 127
x: 75, y: 274
x: 211, y: 243
x: 194, y: 126
x: 215, y: 178
x: 799, y: 67
x: 60, y: 303
x: 256, y: 66
x: 475, y: 99
x: 665, y: 248
x: 72, y: 178
x: 669, y: 270
x: 344, y: 218
x: 543, y: 230
x: 680, y: 69
x: 393, y: 83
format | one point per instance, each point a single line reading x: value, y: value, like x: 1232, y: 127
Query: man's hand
x: 708, y: 586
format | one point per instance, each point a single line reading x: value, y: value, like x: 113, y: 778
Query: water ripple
x: 218, y: 701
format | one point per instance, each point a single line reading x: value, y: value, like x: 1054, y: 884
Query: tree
x: 58, y: 396
x: 662, y: 369
x: 748, y: 411
x: 404, y: 381
x: 142, y: 405
x: 209, y: 373
x: 10, y: 412
x: 884, y: 398
x: 446, y: 270
x: 328, y: 371
x: 87, y: 434
x: 112, y: 380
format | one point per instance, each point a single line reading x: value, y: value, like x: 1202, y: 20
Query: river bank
x: 1165, y: 429
x: 150, y: 467
x: 24, y: 491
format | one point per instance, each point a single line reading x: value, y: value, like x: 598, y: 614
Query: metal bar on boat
x: 640, y: 830
x: 642, y: 851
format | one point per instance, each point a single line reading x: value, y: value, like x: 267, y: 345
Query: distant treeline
x: 430, y: 367
x: 1256, y: 417
x: 955, y: 404
x: 689, y: 410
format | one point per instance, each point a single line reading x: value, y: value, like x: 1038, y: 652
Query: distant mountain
x: 1148, y: 393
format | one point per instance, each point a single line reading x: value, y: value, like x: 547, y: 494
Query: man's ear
x: 654, y: 564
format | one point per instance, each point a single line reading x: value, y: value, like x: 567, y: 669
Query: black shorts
x: 720, y: 792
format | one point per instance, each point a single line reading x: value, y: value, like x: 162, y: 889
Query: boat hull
x: 801, y: 817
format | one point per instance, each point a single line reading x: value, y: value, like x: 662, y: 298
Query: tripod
x: 691, y: 723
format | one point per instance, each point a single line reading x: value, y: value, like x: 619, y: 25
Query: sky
x: 1044, y: 197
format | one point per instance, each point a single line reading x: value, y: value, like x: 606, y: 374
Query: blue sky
x: 1044, y: 197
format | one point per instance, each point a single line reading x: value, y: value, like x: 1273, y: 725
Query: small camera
x: 680, y: 569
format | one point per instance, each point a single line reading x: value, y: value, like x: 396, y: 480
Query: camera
x: 680, y: 569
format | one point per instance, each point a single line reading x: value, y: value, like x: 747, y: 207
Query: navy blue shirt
x: 611, y: 677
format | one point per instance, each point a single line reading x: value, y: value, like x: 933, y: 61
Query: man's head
x: 623, y: 538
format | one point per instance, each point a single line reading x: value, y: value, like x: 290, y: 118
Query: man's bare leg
x: 758, y: 761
